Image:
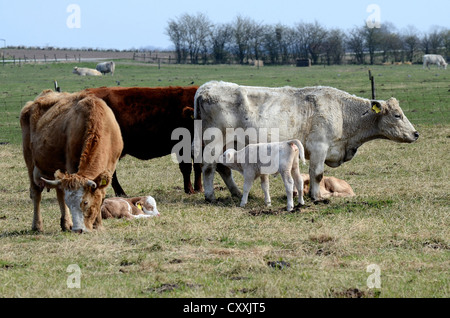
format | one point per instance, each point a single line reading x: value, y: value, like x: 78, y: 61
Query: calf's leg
x: 298, y: 181
x: 265, y: 187
x: 249, y: 177
x: 289, y: 186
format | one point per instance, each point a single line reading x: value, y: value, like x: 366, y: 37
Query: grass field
x: 399, y: 219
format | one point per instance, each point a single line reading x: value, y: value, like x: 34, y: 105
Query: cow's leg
x: 198, y: 177
x: 265, y: 187
x: 298, y: 182
x: 116, y: 186
x: 289, y: 186
x: 249, y: 177
x: 209, y: 170
x: 186, y: 169
x: 36, y: 196
x: 227, y: 177
x: 316, y: 168
x: 66, y: 219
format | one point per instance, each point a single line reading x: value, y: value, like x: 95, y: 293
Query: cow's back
x: 148, y: 116
x: 291, y: 110
x: 70, y: 132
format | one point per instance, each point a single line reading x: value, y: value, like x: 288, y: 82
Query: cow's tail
x: 301, y: 150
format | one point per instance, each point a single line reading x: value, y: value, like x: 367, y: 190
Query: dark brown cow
x: 147, y: 117
x: 74, y: 139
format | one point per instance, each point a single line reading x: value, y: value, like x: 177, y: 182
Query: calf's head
x: 392, y: 122
x: 83, y: 197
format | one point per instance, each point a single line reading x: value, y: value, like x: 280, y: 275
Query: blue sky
x: 136, y: 24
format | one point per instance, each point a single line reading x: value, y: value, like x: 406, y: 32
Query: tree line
x: 197, y: 39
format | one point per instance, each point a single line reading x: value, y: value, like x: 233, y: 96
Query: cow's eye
x: 85, y: 202
x: 398, y: 116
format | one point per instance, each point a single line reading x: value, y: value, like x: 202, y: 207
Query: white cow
x: 281, y: 157
x: 434, y: 59
x: 331, y: 124
x: 84, y: 71
x: 106, y: 67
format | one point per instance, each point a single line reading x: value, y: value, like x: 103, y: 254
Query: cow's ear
x: 376, y: 106
x: 103, y: 180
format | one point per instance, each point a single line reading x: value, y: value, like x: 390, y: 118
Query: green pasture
x: 399, y: 220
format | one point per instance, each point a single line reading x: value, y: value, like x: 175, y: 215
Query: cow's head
x: 392, y: 122
x: 83, y: 196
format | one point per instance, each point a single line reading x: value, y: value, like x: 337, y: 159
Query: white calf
x: 268, y: 158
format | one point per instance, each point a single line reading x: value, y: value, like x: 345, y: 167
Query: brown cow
x: 147, y: 118
x: 75, y: 139
x: 330, y: 187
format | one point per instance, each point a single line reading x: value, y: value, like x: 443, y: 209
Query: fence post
x: 14, y: 58
x: 3, y: 58
x: 372, y: 80
x: 159, y: 64
x: 45, y: 58
x: 34, y: 56
x: 55, y: 58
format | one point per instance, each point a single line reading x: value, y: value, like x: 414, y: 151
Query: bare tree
x: 312, y: 37
x: 334, y: 46
x: 372, y: 40
x: 436, y: 39
x: 241, y: 36
x: 221, y: 37
x: 355, y: 42
x: 411, y: 42
x: 176, y: 34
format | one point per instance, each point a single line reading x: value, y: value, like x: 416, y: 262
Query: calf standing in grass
x: 281, y: 157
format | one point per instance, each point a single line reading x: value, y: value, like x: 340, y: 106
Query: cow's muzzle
x: 416, y: 135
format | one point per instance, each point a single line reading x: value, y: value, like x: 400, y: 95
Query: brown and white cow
x: 330, y: 123
x: 147, y: 118
x: 71, y: 142
x: 129, y: 208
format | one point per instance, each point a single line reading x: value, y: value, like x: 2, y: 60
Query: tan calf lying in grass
x: 279, y: 157
x: 139, y: 207
x: 330, y: 187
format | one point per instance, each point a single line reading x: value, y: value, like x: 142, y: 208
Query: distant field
x: 399, y: 221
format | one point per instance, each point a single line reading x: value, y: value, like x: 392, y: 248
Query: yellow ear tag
x: 376, y: 109
x: 139, y: 206
x: 103, y: 183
